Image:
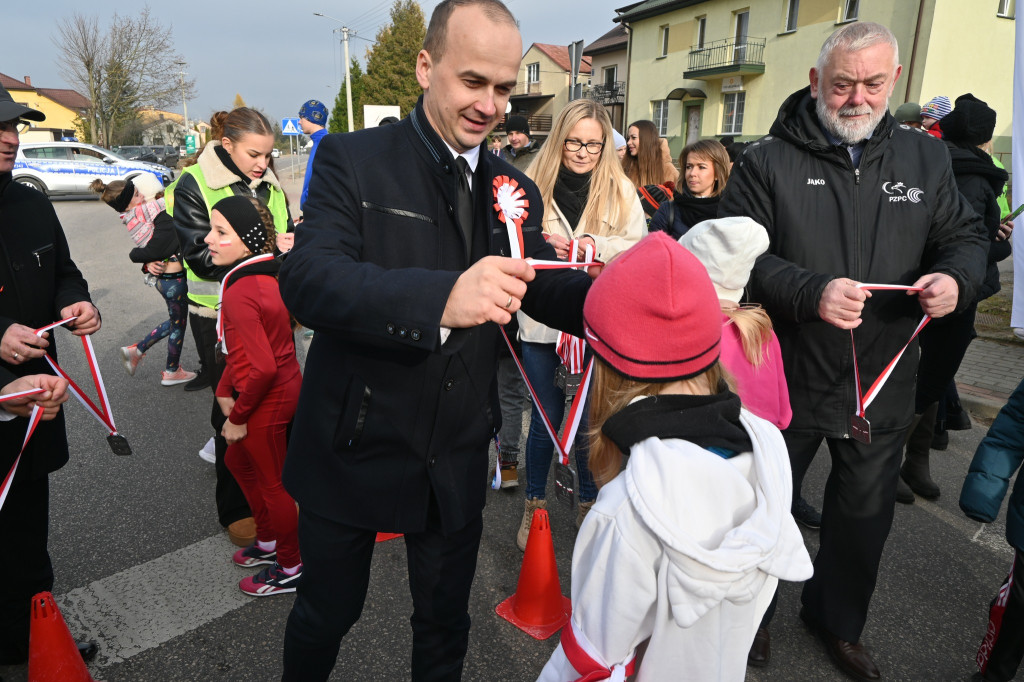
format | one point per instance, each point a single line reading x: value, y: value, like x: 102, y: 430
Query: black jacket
x: 162, y: 245
x: 388, y: 416
x: 981, y: 182
x: 896, y: 217
x: 37, y: 280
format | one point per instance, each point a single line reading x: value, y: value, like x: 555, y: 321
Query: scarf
x: 571, y: 192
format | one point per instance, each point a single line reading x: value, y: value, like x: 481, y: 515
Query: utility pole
x: 345, y: 33
x: 184, y: 105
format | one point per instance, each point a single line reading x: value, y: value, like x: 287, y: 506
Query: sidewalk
x: 988, y: 374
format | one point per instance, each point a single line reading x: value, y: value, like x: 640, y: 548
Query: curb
x: 981, y: 406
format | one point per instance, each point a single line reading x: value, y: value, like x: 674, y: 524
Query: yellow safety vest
x: 201, y: 291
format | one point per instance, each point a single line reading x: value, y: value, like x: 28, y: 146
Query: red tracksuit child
x: 259, y: 389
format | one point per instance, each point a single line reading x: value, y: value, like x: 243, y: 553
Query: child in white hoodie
x: 685, y: 546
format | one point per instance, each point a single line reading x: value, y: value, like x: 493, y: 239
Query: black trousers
x: 944, y: 343
x: 231, y: 504
x: 24, y: 530
x: 1003, y: 647
x: 336, y: 574
x: 856, y: 516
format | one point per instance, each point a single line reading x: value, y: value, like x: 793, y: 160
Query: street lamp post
x: 345, y: 32
x: 184, y: 105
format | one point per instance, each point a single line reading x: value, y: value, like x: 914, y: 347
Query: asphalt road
x: 143, y: 567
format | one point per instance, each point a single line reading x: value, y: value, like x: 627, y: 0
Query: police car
x: 56, y: 168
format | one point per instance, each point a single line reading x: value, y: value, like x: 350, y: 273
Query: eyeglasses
x: 572, y: 145
x: 18, y: 125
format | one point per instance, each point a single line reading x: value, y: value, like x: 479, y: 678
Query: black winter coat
x: 895, y: 218
x: 981, y: 182
x: 388, y: 416
x: 37, y: 280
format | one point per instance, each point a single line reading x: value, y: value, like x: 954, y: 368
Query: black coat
x: 893, y: 219
x: 37, y: 280
x: 388, y: 416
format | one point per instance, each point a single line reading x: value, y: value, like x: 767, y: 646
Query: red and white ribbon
x: 220, y: 295
x: 560, y: 264
x: 865, y: 399
x: 511, y: 203
x: 571, y: 349
x: 33, y: 421
x: 102, y: 413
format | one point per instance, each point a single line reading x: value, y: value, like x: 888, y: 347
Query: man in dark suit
x: 405, y: 286
x: 39, y: 284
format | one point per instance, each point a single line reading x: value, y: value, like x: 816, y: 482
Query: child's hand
x: 157, y: 267
x: 234, y: 432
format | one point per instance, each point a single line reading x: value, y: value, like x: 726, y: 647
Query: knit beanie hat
x: 517, y: 123
x: 244, y: 220
x: 314, y: 111
x: 971, y: 122
x: 908, y: 113
x: 937, y: 108
x: 148, y: 185
x: 653, y: 315
x: 727, y: 247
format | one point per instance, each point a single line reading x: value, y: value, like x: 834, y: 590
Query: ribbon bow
x: 511, y: 203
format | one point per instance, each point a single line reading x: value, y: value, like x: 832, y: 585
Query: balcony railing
x: 727, y: 56
x: 527, y: 88
x: 539, y: 122
x: 607, y: 93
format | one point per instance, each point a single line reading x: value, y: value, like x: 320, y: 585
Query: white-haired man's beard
x: 845, y: 130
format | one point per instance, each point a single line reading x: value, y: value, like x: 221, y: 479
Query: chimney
x: 28, y: 81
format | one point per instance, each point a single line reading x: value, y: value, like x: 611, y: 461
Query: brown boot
x: 915, y: 470
x: 524, y: 526
x: 242, y: 532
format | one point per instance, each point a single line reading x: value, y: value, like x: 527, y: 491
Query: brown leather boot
x: 242, y: 532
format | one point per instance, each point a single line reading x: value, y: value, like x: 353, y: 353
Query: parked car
x: 276, y: 153
x: 166, y: 155
x: 69, y: 167
x: 136, y: 153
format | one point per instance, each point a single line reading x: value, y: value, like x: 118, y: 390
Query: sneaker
x: 209, y: 452
x: 254, y: 556
x: 178, y: 376
x: 1019, y: 333
x: 131, y: 357
x: 271, y: 580
x: 805, y: 514
x: 201, y: 381
x: 524, y: 526
x: 509, y: 476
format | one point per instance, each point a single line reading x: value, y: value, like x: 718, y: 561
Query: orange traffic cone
x: 538, y: 607
x: 52, y: 654
x: 384, y: 537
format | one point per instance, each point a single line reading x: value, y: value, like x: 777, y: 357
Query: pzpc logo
x: 897, y: 191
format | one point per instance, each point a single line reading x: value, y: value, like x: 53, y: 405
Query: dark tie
x: 465, y: 202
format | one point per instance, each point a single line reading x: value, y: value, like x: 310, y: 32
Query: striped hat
x: 937, y: 108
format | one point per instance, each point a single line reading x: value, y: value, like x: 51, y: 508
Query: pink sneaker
x: 131, y: 357
x: 178, y: 376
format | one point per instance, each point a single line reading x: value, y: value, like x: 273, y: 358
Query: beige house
x: 609, y: 58
x: 710, y: 68
x: 542, y: 88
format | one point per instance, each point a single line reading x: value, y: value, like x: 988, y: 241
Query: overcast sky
x: 275, y: 54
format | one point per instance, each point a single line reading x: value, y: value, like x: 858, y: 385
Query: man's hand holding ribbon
x: 55, y: 392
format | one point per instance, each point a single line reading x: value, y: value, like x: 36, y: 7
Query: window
x: 702, y: 25
x: 664, y: 41
x: 56, y: 153
x: 851, y: 9
x: 611, y: 75
x: 660, y: 116
x: 791, y: 14
x: 732, y: 119
x: 86, y: 154
x: 533, y: 73
x: 740, y: 45
x: 1006, y: 9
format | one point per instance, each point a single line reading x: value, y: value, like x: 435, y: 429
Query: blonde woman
x: 587, y: 197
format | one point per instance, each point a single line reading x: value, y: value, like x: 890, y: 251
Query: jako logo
x: 897, y: 191
x: 815, y: 181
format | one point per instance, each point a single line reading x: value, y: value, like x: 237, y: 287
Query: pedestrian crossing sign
x: 290, y: 126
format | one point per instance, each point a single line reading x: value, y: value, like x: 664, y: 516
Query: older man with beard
x: 849, y: 196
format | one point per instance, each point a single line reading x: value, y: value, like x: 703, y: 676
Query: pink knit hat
x: 653, y: 314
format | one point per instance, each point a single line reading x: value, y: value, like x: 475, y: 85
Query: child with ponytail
x: 259, y: 389
x: 684, y: 546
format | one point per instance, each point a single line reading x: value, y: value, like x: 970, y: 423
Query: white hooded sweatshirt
x: 684, y: 548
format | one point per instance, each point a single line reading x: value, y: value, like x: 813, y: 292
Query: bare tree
x: 122, y: 69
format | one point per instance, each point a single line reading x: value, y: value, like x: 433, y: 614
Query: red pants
x: 256, y: 463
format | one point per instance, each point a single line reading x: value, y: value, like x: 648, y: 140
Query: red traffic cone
x: 538, y: 607
x: 52, y: 654
x: 384, y: 537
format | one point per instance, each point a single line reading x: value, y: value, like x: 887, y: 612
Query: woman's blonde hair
x: 608, y: 204
x: 647, y: 167
x: 755, y: 328
x: 714, y: 152
x: 611, y: 393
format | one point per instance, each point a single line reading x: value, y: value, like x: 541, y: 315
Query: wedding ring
x: 15, y: 356
x: 509, y: 304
